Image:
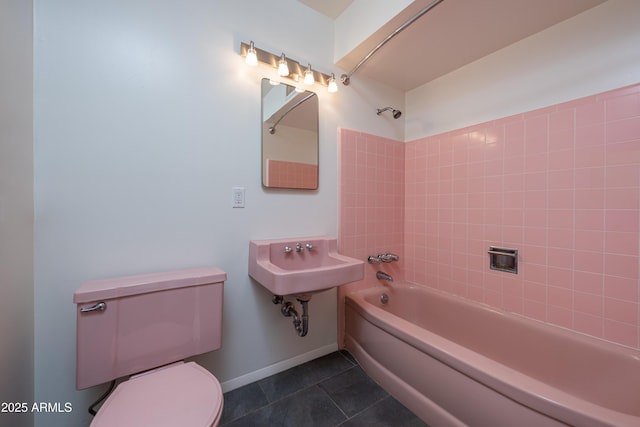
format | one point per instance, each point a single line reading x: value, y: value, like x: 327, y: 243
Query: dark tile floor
x: 329, y: 391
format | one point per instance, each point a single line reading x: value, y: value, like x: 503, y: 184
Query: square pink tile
x: 621, y: 311
x: 590, y: 135
x: 588, y: 304
x: 561, y: 199
x: 589, y: 219
x: 623, y: 198
x: 623, y: 130
x: 623, y: 153
x: 622, y: 220
x: 593, y: 177
x: 560, y: 277
x: 590, y: 113
x: 621, y: 266
x: 622, y: 242
x: 591, y: 198
x: 561, y: 160
x: 584, y: 281
x: 589, y: 156
x: 562, y: 120
x: 623, y: 107
x: 621, y: 288
x: 590, y: 262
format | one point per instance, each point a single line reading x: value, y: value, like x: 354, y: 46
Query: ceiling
x: 331, y: 8
x: 449, y: 36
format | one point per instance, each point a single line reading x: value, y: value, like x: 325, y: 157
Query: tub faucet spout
x: 381, y: 275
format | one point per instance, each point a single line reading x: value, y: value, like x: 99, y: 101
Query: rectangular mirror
x: 289, y: 137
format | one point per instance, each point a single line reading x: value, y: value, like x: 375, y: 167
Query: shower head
x: 396, y: 113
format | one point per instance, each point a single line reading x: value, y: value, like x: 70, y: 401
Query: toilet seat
x: 182, y: 394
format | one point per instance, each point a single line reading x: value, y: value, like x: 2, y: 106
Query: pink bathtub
x: 454, y: 362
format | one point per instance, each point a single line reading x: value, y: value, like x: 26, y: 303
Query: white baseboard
x: 277, y: 367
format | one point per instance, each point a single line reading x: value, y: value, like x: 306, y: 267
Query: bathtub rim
x: 533, y: 393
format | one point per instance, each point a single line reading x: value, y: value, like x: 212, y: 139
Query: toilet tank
x: 131, y: 324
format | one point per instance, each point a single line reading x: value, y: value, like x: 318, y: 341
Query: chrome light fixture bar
x: 296, y: 71
x: 346, y: 78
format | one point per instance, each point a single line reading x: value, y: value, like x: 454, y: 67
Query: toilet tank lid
x: 117, y: 287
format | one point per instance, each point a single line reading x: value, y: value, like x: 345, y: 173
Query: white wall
x: 145, y: 117
x: 16, y: 208
x: 593, y: 52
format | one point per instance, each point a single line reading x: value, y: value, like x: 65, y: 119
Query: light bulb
x: 283, y: 68
x: 252, y: 56
x: 332, y: 86
x: 308, y: 76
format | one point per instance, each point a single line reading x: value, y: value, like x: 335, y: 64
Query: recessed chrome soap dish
x: 503, y: 259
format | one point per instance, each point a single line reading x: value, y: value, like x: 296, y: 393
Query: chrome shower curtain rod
x: 346, y: 78
x: 272, y: 129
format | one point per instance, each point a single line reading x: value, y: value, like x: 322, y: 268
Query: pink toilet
x: 144, y: 326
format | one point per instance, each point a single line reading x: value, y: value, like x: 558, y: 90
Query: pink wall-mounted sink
x: 303, y: 265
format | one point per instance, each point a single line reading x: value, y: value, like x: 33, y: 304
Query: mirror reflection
x: 289, y: 137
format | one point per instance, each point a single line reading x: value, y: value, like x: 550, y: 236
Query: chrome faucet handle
x: 287, y: 249
x: 299, y: 247
x: 309, y: 246
x: 101, y: 306
x: 388, y: 257
x: 373, y: 259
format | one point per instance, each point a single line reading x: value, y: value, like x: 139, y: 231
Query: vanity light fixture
x: 283, y: 67
x: 332, y: 87
x: 251, y: 58
x: 308, y: 76
x: 287, y: 67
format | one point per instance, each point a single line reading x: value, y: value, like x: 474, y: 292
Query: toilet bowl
x: 144, y: 327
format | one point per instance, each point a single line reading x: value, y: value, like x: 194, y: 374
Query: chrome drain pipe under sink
x: 301, y: 324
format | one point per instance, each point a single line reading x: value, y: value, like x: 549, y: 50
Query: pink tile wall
x: 561, y: 184
x: 371, y: 213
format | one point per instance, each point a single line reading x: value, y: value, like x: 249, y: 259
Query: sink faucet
x: 384, y: 276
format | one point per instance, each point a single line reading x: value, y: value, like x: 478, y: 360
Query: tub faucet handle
x: 373, y: 259
x: 388, y: 257
x: 309, y: 246
x: 299, y: 247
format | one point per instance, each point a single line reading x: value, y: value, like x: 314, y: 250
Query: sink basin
x: 283, y: 270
